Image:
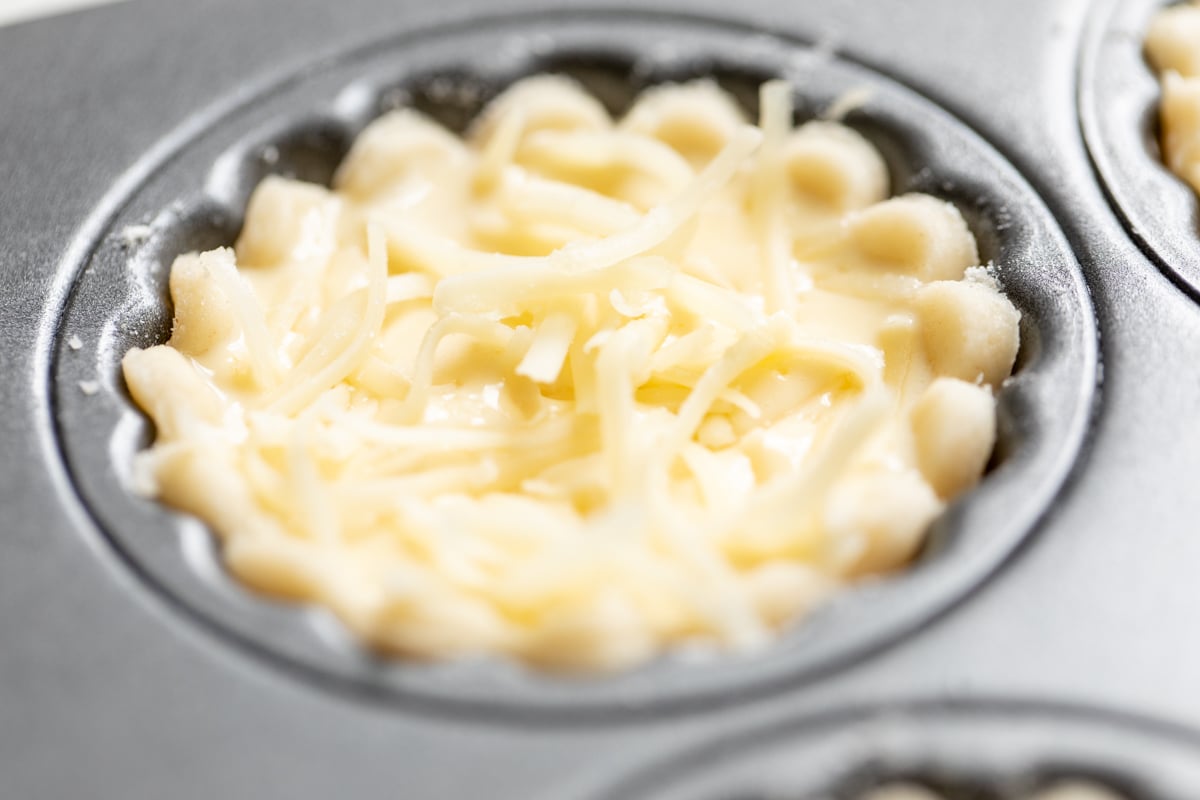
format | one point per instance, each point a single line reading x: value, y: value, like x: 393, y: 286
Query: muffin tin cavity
x: 195, y: 194
x: 977, y: 752
x: 1118, y: 107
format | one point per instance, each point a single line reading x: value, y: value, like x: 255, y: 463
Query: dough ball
x: 1173, y: 40
x: 696, y: 119
x: 887, y: 512
x: 547, y: 102
x: 276, y: 217
x: 397, y: 144
x: 172, y: 390
x: 970, y: 330
x: 834, y: 167
x: 204, y: 317
x: 915, y: 234
x: 954, y: 430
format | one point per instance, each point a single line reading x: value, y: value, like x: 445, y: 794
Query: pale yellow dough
x: 575, y: 390
x: 1066, y: 790
x: 1173, y: 47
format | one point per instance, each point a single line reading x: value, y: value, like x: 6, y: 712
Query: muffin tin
x: 1118, y: 102
x: 1043, y: 631
x: 122, y: 294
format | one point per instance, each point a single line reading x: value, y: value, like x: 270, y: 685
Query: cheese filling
x: 577, y: 390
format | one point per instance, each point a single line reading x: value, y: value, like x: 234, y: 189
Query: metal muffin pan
x: 121, y: 294
x: 1118, y: 99
x: 1049, y: 624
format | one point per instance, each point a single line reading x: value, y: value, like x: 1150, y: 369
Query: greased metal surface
x: 1093, y: 612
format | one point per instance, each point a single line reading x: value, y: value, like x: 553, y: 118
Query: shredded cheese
x: 576, y: 391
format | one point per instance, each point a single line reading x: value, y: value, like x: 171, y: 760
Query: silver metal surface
x: 117, y: 683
